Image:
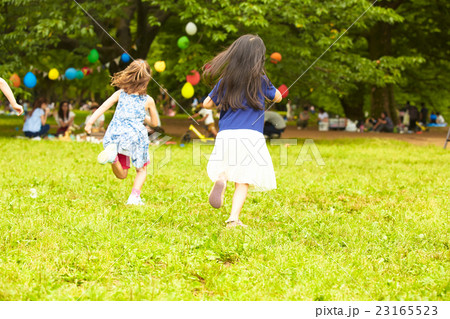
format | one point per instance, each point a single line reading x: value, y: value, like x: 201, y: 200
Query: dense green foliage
x: 396, y: 52
x: 372, y: 224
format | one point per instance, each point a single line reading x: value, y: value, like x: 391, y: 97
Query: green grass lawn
x: 372, y: 224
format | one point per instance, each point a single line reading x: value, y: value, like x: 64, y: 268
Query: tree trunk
x: 380, y: 44
x: 145, y: 33
x: 353, y: 103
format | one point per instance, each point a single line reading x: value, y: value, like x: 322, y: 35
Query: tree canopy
x: 394, y: 52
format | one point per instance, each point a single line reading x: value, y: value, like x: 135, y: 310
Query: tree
x: 379, y: 58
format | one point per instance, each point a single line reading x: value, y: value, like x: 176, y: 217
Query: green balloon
x: 80, y: 75
x: 93, y: 56
x: 183, y: 42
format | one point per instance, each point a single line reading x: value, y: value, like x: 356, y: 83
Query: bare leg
x: 222, y: 177
x: 240, y: 194
x: 119, y: 171
x: 214, y: 132
x: 141, y: 174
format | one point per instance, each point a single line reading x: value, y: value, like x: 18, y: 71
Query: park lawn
x: 372, y: 224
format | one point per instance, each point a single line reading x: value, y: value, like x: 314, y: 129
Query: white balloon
x: 191, y: 28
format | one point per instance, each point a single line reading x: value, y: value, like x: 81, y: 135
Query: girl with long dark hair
x: 240, y: 153
x: 64, y: 117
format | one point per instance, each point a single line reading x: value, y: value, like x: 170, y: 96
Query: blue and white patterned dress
x: 127, y: 129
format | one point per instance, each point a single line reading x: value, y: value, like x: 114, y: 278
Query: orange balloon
x: 15, y: 79
x: 275, y: 57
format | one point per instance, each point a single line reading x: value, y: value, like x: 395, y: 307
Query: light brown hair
x: 134, y: 79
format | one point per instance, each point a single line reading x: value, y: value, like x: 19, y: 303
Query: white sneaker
x: 134, y: 200
x: 108, y: 155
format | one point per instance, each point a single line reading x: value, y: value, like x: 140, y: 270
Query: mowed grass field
x: 372, y: 224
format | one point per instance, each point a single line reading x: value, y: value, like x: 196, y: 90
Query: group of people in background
x: 36, y: 126
x: 36, y: 118
x: 410, y: 119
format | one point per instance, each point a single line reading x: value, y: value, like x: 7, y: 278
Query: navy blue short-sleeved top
x: 247, y: 117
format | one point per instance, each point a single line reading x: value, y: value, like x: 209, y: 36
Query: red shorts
x: 125, y: 161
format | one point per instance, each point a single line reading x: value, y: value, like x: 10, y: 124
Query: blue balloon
x: 125, y: 58
x: 30, y: 80
x: 71, y: 73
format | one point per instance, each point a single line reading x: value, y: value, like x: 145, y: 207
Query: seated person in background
x: 440, y: 119
x: 64, y: 118
x: 35, y: 122
x: 370, y: 123
x: 207, y: 118
x: 274, y: 124
x: 384, y: 124
x: 98, y: 126
x: 433, y: 118
x: 303, y: 118
x: 323, y: 116
x: 85, y: 106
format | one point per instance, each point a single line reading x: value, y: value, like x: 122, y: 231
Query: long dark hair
x: 38, y: 103
x: 240, y: 69
x: 61, y: 114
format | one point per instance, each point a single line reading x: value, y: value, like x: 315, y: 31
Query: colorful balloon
x: 160, y: 66
x: 191, y: 28
x: 125, y: 58
x: 30, y: 80
x: 71, y: 73
x: 283, y: 90
x: 187, y: 91
x: 275, y: 57
x: 79, y: 74
x: 93, y: 56
x: 53, y: 74
x: 183, y: 42
x: 15, y: 79
x: 193, y: 77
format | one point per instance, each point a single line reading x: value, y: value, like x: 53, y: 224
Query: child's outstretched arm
x: 102, y: 109
x: 152, y: 121
x: 278, y: 97
x: 208, y: 103
x: 10, y: 96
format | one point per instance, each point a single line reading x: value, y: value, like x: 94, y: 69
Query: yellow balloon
x: 187, y: 91
x: 53, y: 74
x: 160, y: 66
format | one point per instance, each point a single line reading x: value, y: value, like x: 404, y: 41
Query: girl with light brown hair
x: 126, y: 139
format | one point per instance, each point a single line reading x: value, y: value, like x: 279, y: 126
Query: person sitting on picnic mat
x: 207, y: 118
x: 303, y: 118
x: 384, y: 124
x: 274, y: 124
x: 98, y: 125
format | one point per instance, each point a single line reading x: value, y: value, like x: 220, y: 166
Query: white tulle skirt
x: 244, y: 158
